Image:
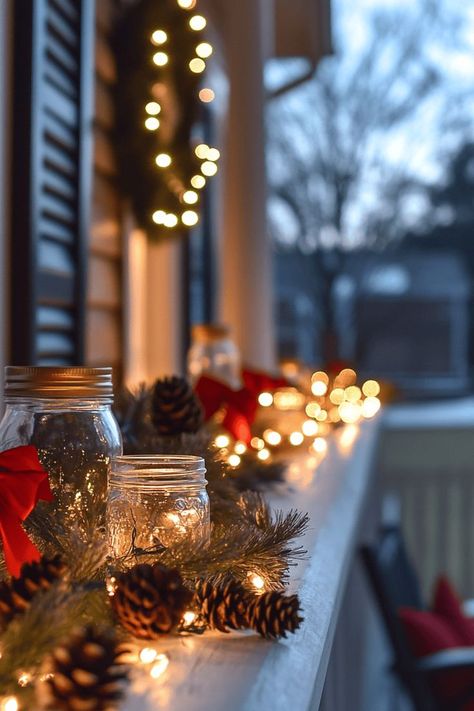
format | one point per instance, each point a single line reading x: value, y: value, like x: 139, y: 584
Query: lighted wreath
x: 161, y: 55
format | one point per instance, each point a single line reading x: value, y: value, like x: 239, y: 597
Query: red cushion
x: 444, y: 628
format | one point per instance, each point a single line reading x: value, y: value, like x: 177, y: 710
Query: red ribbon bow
x: 240, y: 405
x: 23, y: 482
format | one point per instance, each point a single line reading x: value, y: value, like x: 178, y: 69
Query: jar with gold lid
x: 66, y: 414
x: 214, y: 353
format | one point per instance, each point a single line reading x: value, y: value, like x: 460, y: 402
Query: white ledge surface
x: 240, y: 671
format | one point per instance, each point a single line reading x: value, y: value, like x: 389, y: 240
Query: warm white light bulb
x: 264, y: 454
x: 198, y: 181
x: 197, y: 66
x: 152, y: 123
x: 160, y: 666
x: 265, y: 399
x: 159, y: 217
x: 170, y: 220
x: 207, y: 95
x: 208, y: 168
x: 240, y: 448
x: 187, y: 4
x: 160, y: 59
x: 9, y: 704
x: 201, y: 150
x: 197, y: 23
x: 222, y: 441
x: 296, y: 438
x: 204, y: 50
x: 163, y: 160
x: 213, y: 154
x: 190, y: 197
x: 190, y: 218
x: 256, y: 580
x: 153, y: 108
x: 310, y: 428
x: 234, y: 460
x: 148, y: 655
x: 159, y: 37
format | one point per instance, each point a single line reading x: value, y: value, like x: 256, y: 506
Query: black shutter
x: 52, y: 165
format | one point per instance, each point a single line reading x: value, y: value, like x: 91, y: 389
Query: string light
x: 371, y: 388
x: 153, y: 108
x: 201, y: 150
x: 296, y: 438
x: 209, y: 168
x: 272, y: 437
x: 159, y: 217
x: 111, y: 586
x: 207, y: 95
x: 9, y: 703
x: 222, y: 441
x: 152, y: 124
x: 353, y: 393
x: 189, y: 617
x: 257, y: 581
x: 313, y: 409
x: 147, y: 655
x: 264, y: 454
x: 198, y: 181
x: 213, y: 154
x: 160, y: 59
x: 160, y: 666
x: 170, y: 220
x: 190, y: 218
x: 370, y: 407
x: 187, y: 4
x: 320, y: 445
x: 159, y: 37
x: 265, y: 399
x: 257, y: 443
x: 190, y: 197
x: 197, y: 23
x: 197, y: 66
x: 24, y: 679
x: 204, y: 50
x: 310, y: 428
x: 240, y: 448
x: 163, y: 160
x: 234, y: 460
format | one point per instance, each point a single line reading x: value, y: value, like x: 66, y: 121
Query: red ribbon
x: 23, y: 482
x: 240, y: 406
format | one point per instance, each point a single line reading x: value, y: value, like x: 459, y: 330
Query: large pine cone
x: 17, y: 593
x: 150, y: 600
x: 223, y: 607
x: 272, y: 615
x: 175, y: 407
x: 84, y: 674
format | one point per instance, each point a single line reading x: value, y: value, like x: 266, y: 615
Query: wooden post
x: 246, y: 300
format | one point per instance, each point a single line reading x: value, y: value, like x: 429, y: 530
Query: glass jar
x: 66, y: 414
x: 214, y: 353
x: 157, y: 501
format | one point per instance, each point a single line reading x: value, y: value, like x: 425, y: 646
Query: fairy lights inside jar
x: 157, y: 501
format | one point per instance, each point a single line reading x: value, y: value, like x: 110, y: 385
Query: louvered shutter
x: 104, y: 331
x: 52, y: 140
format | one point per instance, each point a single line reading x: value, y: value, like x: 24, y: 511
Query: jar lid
x: 58, y: 382
x: 206, y: 332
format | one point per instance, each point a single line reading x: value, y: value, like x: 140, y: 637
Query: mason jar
x: 157, y: 501
x: 214, y: 353
x: 66, y: 414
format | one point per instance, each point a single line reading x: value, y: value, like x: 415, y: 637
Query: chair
x: 395, y: 585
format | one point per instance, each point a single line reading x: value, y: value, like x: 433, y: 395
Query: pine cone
x: 85, y: 674
x: 150, y: 600
x: 223, y: 607
x: 17, y: 593
x: 272, y: 615
x: 175, y: 407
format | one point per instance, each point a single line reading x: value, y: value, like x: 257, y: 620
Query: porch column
x: 246, y: 301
